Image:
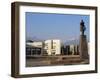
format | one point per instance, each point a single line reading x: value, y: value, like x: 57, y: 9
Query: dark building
x: 30, y: 50
x: 65, y: 50
x: 70, y: 50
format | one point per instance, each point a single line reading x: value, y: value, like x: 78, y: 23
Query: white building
x: 52, y: 47
x: 35, y: 44
x: 74, y: 49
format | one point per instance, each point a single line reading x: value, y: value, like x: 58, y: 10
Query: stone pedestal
x: 83, y: 47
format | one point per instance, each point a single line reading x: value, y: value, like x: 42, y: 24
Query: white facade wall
x: 72, y: 49
x: 57, y: 46
x: 53, y: 47
x: 47, y: 46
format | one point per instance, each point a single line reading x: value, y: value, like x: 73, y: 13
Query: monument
x: 83, y: 46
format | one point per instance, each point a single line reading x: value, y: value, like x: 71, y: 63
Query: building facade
x: 74, y: 49
x: 34, y: 48
x: 52, y: 47
x: 30, y: 50
x: 70, y: 50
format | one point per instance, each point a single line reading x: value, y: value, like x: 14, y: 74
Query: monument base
x: 83, y: 47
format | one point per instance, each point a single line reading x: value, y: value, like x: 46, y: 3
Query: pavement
x: 54, y: 60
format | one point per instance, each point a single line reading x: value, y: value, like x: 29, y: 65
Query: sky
x: 46, y: 26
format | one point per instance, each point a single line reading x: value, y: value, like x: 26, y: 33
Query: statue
x: 83, y: 45
x: 82, y: 27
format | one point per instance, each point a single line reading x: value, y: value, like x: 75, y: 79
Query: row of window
x: 33, y: 51
x: 64, y: 50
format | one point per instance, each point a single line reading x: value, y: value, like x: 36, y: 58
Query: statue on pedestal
x: 83, y: 45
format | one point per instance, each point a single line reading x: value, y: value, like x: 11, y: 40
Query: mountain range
x: 67, y: 42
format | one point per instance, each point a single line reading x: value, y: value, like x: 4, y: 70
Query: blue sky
x: 54, y: 26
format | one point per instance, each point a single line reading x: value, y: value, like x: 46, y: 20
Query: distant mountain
x: 74, y: 42
x: 68, y: 42
x: 31, y: 39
